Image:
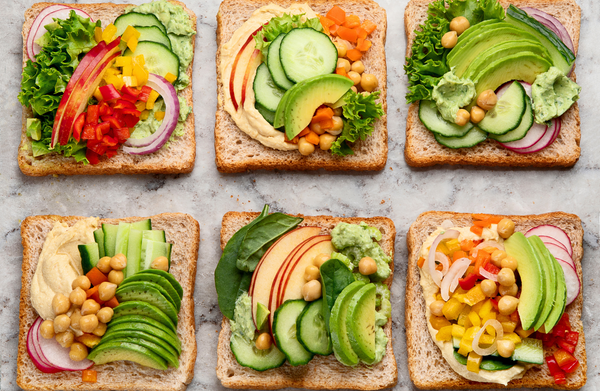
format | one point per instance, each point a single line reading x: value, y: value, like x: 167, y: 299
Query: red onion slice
x: 553, y: 24
x: 450, y: 282
x: 490, y: 276
x: 430, y: 264
x: 487, y: 243
x: 493, y: 347
x: 156, y: 140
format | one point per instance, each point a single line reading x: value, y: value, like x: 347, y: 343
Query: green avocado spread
x: 452, y: 93
x: 242, y: 323
x: 148, y: 126
x: 553, y: 93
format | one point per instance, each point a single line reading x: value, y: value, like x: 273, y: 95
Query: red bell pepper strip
x: 109, y: 141
x: 92, y: 156
x: 89, y: 132
x: 570, y: 368
x: 109, y: 92
x: 490, y: 267
x: 563, y: 358
x: 565, y: 345
x: 572, y: 337
x: 121, y: 134
x: 129, y: 98
x: 555, y: 371
x: 134, y: 92
x: 468, y: 282
x: 92, y: 115
x: 105, y: 109
x: 123, y: 104
x: 113, y: 120
x: 144, y: 94
x: 78, y: 127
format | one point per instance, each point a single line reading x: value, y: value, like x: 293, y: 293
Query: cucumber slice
x: 159, y: 59
x: 122, y: 238
x: 311, y: 329
x: 137, y: 19
x: 90, y: 255
x: 474, y: 137
x: 284, y: 331
x: 247, y: 355
x: 488, y: 364
x: 268, y: 115
x: 153, y: 34
x: 433, y: 120
x: 266, y: 92
x: 151, y: 250
x: 274, y: 64
x: 520, y: 131
x: 530, y: 350
x: 155, y: 234
x: 99, y: 238
x: 456, y: 342
x: 142, y: 225
x: 508, y: 112
x: 110, y: 239
x: 307, y: 53
x: 134, y: 252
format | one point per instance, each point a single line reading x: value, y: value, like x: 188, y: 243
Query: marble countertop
x: 398, y: 191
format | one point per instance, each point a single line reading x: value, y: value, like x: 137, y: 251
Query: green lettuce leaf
x: 282, y: 25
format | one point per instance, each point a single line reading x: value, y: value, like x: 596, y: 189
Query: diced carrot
x: 368, y: 26
x: 91, y: 291
x: 96, y: 298
x: 326, y: 22
x: 354, y: 54
x: 96, y: 276
x: 363, y: 45
x: 337, y: 14
x: 323, y: 113
x: 515, y: 317
x: 333, y: 30
x: 480, y: 216
x: 304, y: 132
x: 466, y: 245
x: 458, y: 255
x: 89, y: 376
x: 421, y: 262
x: 341, y: 71
x: 112, y: 303
x: 482, y: 258
x: 482, y: 223
x: 327, y: 124
x: 362, y: 33
x: 476, y: 230
x: 312, y: 138
x: 352, y: 21
x: 347, y: 34
x: 439, y: 267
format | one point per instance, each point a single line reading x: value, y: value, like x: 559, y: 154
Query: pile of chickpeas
x: 487, y: 99
x: 326, y: 136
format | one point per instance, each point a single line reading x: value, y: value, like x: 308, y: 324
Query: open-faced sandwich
x: 495, y: 301
x: 305, y: 302
x: 107, y: 304
x: 491, y: 82
x: 107, y: 89
x: 301, y: 86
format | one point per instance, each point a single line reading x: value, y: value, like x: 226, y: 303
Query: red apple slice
x: 255, y: 61
x: 234, y: 67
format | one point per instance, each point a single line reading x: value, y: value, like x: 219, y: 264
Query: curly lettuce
x: 282, y: 25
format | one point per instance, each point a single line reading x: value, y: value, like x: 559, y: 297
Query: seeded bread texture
x: 178, y: 157
x: 423, y: 150
x: 237, y: 152
x: 322, y: 372
x: 427, y: 368
x: 181, y: 230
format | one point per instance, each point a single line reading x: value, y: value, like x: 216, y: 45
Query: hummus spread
x: 59, y: 263
x: 247, y: 118
x: 430, y: 290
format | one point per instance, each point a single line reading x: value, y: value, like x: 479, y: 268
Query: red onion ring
x: 450, y: 282
x: 430, y: 264
x: 553, y: 24
x: 499, y: 335
x: 443, y: 259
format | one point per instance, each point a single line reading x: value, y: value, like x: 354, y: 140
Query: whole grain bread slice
x: 178, y: 157
x: 421, y: 148
x: 184, y: 232
x: 237, y: 152
x: 322, y: 372
x: 427, y: 368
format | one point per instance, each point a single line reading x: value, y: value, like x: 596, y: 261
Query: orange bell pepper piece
x: 89, y: 376
x: 112, y: 303
x: 337, y: 14
x: 312, y: 138
x: 362, y: 33
x: 482, y: 223
x: 458, y: 255
x: 363, y: 45
x: 491, y: 218
x: 347, y: 34
x: 421, y: 262
x: 323, y: 113
x: 352, y: 21
x: 341, y: 71
x: 476, y: 230
x: 327, y: 124
x: 303, y: 133
x: 325, y: 21
x: 354, y: 54
x: 333, y: 30
x: 368, y: 26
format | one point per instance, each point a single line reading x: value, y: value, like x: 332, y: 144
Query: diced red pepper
x: 144, y: 93
x: 135, y: 112
x: 494, y: 303
x: 123, y: 104
x: 113, y: 120
x: 129, y: 98
x: 468, y: 282
x: 570, y: 368
x: 92, y: 156
x: 92, y: 115
x: 109, y: 141
x: 102, y: 129
x: 555, y: 371
x: 78, y: 127
x: 112, y: 151
x: 565, y: 345
x: 549, y: 342
x: 490, y: 267
x: 131, y: 91
x: 572, y: 337
x: 109, y: 92
x: 121, y: 134
x: 89, y: 132
x: 130, y: 120
x: 105, y: 109
x: 562, y: 327
x: 563, y: 358
x: 98, y: 131
x: 97, y: 147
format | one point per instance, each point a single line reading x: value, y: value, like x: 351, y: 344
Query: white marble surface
x: 399, y: 192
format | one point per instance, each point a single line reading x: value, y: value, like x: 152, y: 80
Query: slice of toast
x: 422, y: 150
x: 322, y: 372
x: 178, y: 157
x: 427, y: 368
x: 181, y: 230
x: 237, y: 152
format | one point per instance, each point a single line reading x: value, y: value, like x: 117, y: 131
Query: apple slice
x: 234, y: 67
x: 255, y: 61
x: 264, y: 274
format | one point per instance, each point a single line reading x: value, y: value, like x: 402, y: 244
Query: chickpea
x: 449, y: 39
x: 326, y: 141
x: 343, y: 63
x: 354, y: 89
x: 316, y: 127
x: 368, y: 82
x: 489, y: 288
x: 106, y: 291
x: 436, y: 308
x: 367, y: 266
x: 334, y: 132
x: 263, y: 342
x: 497, y: 257
x: 81, y: 282
x: 341, y: 49
x: 61, y: 323
x: 100, y: 330
x: 78, y: 352
x: 118, y: 262
x: 320, y: 259
x: 160, y: 263
x: 60, y: 304
x: 358, y: 66
x: 90, y: 307
x: 477, y: 114
x: 65, y: 339
x: 338, y: 123
x: 311, y: 273
x: 487, y: 100
x: 462, y: 117
x: 355, y: 77
x: 105, y: 314
x: 506, y: 227
x: 75, y: 318
x: 509, y: 290
x: 116, y: 277
x: 88, y: 323
x: 47, y: 329
x: 77, y: 296
x: 304, y: 147
x: 505, y: 348
x: 311, y: 291
x: 104, y: 265
x: 507, y: 305
x: 510, y: 263
x: 338, y: 111
x: 459, y: 24
x: 506, y: 277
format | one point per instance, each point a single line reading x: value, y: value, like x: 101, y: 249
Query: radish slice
x: 548, y: 138
x: 450, y: 282
x: 436, y: 275
x: 553, y: 24
x: 548, y: 239
x: 58, y: 356
x: 533, y: 136
x: 553, y: 232
x: 572, y: 281
x: 560, y: 253
x: 492, y: 348
x: 34, y: 353
x: 36, y: 336
x: 46, y: 17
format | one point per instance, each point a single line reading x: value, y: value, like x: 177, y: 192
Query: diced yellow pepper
x: 453, y: 245
x: 512, y: 337
x: 473, y: 362
x: 443, y: 334
x: 98, y: 95
x: 115, y: 80
x: 486, y: 308
x: 509, y: 326
x: 151, y: 99
x: 89, y: 340
x: 465, y: 347
x: 127, y: 70
x: 140, y: 106
x: 141, y: 74
x: 477, y: 306
x: 524, y: 333
x: 489, y: 329
x: 439, y: 297
x: 452, y: 309
x: 474, y: 318
x: 130, y: 32
x: 123, y: 61
x: 160, y: 115
x: 458, y: 331
x: 130, y: 81
x: 437, y: 322
x: 170, y: 77
x: 486, y: 339
x: 109, y: 33
x: 461, y: 297
x: 98, y: 34
x: 475, y: 295
x: 140, y: 60
x: 144, y: 115
x: 470, y: 334
x: 112, y: 71
x: 442, y: 248
x: 132, y: 43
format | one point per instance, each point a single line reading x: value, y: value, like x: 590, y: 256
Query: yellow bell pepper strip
x: 443, y: 334
x: 109, y: 32
x: 452, y: 308
x: 170, y: 77
x: 129, y: 33
x: 122, y: 61
x: 473, y: 362
x: 140, y: 73
x: 474, y: 318
x: 130, y: 81
x: 132, y: 43
x: 98, y: 34
x: 151, y: 99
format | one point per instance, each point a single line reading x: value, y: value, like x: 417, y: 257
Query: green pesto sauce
x: 452, y: 93
x: 553, y: 93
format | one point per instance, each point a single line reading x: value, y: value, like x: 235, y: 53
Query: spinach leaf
x: 229, y: 280
x: 335, y: 277
x: 261, y: 236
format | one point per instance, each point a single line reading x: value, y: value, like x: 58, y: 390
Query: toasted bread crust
x: 427, y: 368
x: 421, y: 148
x: 322, y: 372
x: 237, y: 152
x: 182, y: 230
x: 178, y: 157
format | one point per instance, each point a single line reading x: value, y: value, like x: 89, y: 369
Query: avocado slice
x: 342, y: 347
x: 141, y: 308
x: 119, y: 351
x: 159, y: 280
x: 170, y: 356
x: 533, y: 288
x: 549, y: 280
x: 162, y: 333
x: 560, y: 297
x: 142, y: 319
x: 168, y: 276
x: 150, y: 293
x: 476, y: 29
x: 360, y: 322
x: 262, y: 314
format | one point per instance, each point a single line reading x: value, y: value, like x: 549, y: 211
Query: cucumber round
x: 153, y: 34
x: 274, y: 64
x: 306, y: 53
x: 508, y: 111
x: 266, y: 93
x: 247, y: 355
x: 433, y: 120
x: 285, y: 332
x: 488, y: 363
x: 474, y: 137
x: 520, y: 131
x: 159, y: 59
x: 312, y: 331
x: 137, y: 19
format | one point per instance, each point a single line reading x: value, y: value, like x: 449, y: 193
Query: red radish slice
x: 548, y: 239
x: 572, y: 281
x: 46, y: 17
x: 560, y: 253
x: 553, y: 232
x: 33, y: 352
x: 58, y: 356
x: 548, y: 138
x: 533, y: 136
x: 36, y: 336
